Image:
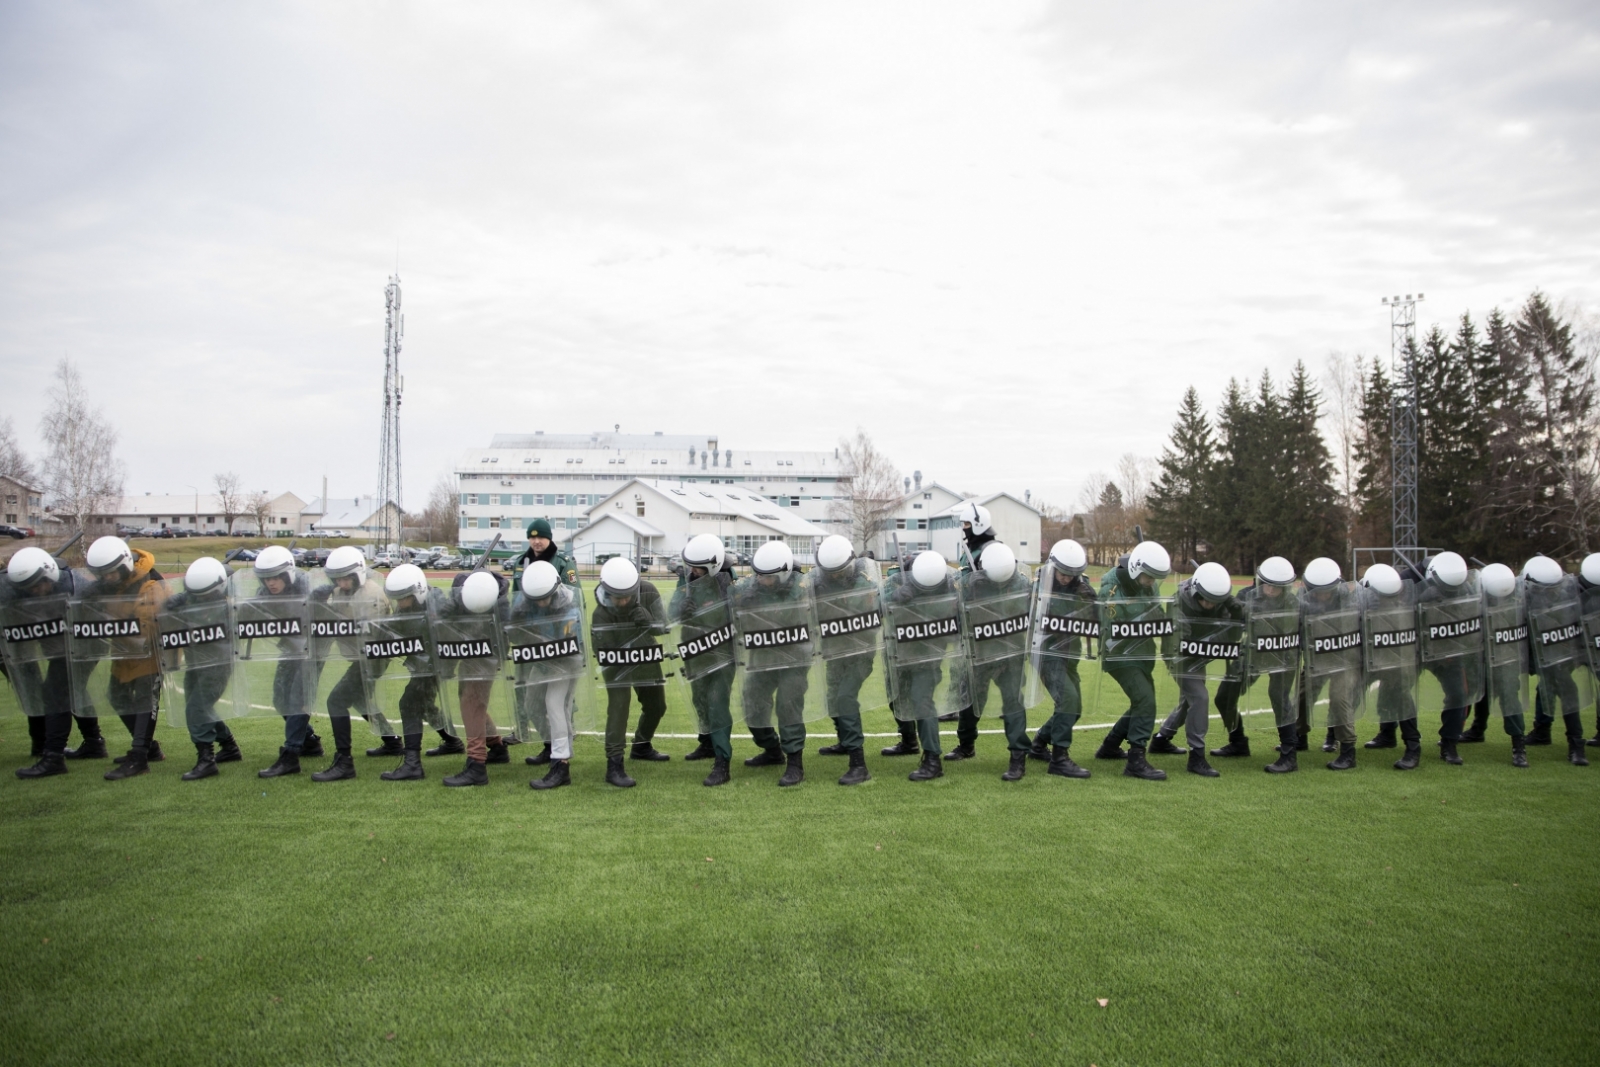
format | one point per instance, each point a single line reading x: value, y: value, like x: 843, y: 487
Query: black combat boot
x: 1161, y: 745
x: 474, y: 773
x: 391, y: 747
x: 1198, y: 764
x: 795, y: 772
x: 932, y: 767
x: 1110, y: 748
x: 1018, y: 768
x: 1040, y: 749
x: 205, y: 764
x: 1139, y: 767
x: 1347, y: 757
x: 1061, y: 764
x: 1412, y: 759
x: 768, y: 757
x: 950, y: 716
x: 906, y: 746
x: 1575, y: 754
x: 858, y: 769
x: 288, y: 763
x: 1540, y: 734
x: 1302, y: 742
x: 50, y: 764
x: 88, y: 748
x: 559, y: 774
x: 702, y: 748
x: 719, y: 772
x: 833, y: 750
x: 341, y: 768
x: 1288, y: 761
x: 1330, y: 743
x: 312, y: 747
x: 1238, y: 745
x: 615, y: 775
x: 1473, y: 735
x: 540, y: 759
x: 410, y: 768
x: 153, y: 754
x: 1519, y: 752
x: 1447, y: 752
x: 646, y: 751
x: 228, y: 750
x: 135, y: 764
x: 449, y: 745
x: 961, y: 752
x: 498, y: 754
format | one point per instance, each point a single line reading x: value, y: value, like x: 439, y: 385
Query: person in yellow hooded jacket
x: 126, y: 588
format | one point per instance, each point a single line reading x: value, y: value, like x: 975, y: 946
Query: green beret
x: 542, y: 528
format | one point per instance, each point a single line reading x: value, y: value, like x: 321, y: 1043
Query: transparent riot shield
x: 849, y: 614
x: 925, y: 661
x: 626, y: 642
x: 196, y: 636
x: 1451, y: 647
x: 339, y: 614
x: 547, y: 658
x: 1389, y: 657
x: 1589, y: 601
x: 1135, y: 635
x: 1506, y: 634
x: 1560, y: 655
x: 34, y: 650
x: 705, y: 645
x: 272, y: 670
x: 995, y: 635
x: 1064, y: 630
x: 112, y: 648
x: 1334, y: 690
x: 783, y: 683
x: 1270, y: 677
x: 471, y: 659
x: 399, y: 667
x: 1208, y: 648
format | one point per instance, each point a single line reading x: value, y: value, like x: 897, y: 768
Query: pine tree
x: 1561, y: 443
x: 1228, y: 525
x: 1446, y: 474
x: 1309, y: 520
x: 1500, y: 382
x: 1179, y: 498
x: 1375, y: 454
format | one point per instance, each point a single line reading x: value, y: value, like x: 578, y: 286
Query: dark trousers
x: 914, y: 689
x: 713, y: 704
x: 1060, y: 678
x: 136, y: 703
x: 202, y: 688
x: 652, y: 705
x: 779, y: 694
x: 1138, y: 683
x: 845, y: 677
x: 1005, y: 674
x: 347, y: 694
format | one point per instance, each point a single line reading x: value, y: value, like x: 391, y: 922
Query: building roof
x: 632, y: 522
x: 639, y: 455
x: 986, y: 500
x: 170, y: 504
x: 723, y: 501
x: 347, y: 511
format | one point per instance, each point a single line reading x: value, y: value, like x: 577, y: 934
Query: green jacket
x: 624, y: 637
x: 1126, y: 605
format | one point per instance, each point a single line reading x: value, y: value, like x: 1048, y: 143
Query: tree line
x: 1508, y: 451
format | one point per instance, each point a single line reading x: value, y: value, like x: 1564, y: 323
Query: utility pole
x: 389, y: 450
x: 1404, y: 420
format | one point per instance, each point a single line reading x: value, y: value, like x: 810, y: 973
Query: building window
x: 638, y: 509
x: 899, y: 524
x: 927, y: 496
x: 494, y: 524
x: 561, y: 498
x: 470, y: 498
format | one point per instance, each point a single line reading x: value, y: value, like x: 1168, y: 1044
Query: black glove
x: 641, y: 616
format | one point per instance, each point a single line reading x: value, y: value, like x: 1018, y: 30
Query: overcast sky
x: 1003, y: 238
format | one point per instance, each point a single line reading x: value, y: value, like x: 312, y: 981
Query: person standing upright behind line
x: 1134, y: 625
x: 845, y: 594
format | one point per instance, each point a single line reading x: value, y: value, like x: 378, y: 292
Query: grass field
x: 1445, y: 915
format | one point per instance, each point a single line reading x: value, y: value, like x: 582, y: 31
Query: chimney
x: 908, y: 485
x: 702, y: 459
x: 918, y: 476
x: 727, y: 457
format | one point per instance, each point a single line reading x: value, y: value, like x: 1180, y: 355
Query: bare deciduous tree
x: 1343, y: 388
x: 1134, y: 477
x: 867, y: 493
x: 230, y: 498
x: 81, y: 473
x: 259, y: 508
x: 440, y: 520
x: 13, y: 461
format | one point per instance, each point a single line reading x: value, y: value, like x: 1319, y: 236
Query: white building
x: 203, y: 512
x: 563, y: 477
x: 924, y: 521
x: 652, y: 520
x: 358, y: 518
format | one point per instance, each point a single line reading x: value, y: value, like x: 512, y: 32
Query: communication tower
x: 1404, y: 419
x: 389, y: 450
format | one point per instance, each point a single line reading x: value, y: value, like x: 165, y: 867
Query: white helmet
x: 998, y: 563
x: 1213, y: 582
x: 274, y: 561
x: 1322, y: 572
x: 1449, y: 568
x: 928, y: 569
x: 107, y: 554
x: 540, y: 579
x: 1542, y: 570
x: 405, y: 580
x: 975, y: 514
x: 1068, y: 556
x: 480, y: 591
x: 619, y: 576
x: 1275, y: 570
x: 771, y: 558
x: 1149, y: 558
x: 29, y: 565
x: 704, y: 550
x: 1590, y: 570
x: 346, y: 561
x: 1498, y: 580
x: 205, y: 575
x: 835, y: 553
x: 1382, y: 579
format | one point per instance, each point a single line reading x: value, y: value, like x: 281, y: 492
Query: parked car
x: 12, y: 531
x: 447, y: 563
x: 383, y: 559
x: 239, y: 555
x: 316, y: 557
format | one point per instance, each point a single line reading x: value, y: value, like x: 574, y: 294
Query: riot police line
x: 491, y: 661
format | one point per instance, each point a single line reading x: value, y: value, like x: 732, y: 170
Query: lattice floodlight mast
x: 1404, y: 419
x: 389, y: 449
